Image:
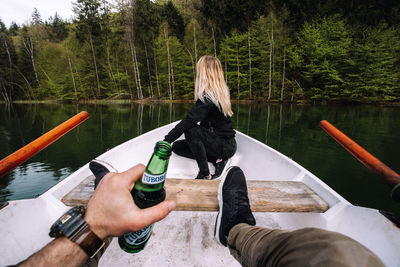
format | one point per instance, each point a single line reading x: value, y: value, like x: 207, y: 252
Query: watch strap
x: 87, y: 240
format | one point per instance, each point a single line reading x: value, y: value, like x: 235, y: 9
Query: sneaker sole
x: 220, y: 203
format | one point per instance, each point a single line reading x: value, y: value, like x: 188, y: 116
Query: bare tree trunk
x: 156, y: 68
x: 273, y: 51
x: 30, y: 89
x: 134, y: 69
x: 215, y: 46
x: 238, y: 69
x: 110, y: 71
x: 72, y: 75
x: 137, y: 70
x: 10, y: 64
x: 148, y: 67
x: 45, y: 74
x: 95, y: 64
x: 270, y: 62
x: 193, y: 68
x: 29, y: 49
x: 169, y: 63
x: 195, y: 41
x: 283, y: 73
x: 130, y: 28
x: 119, y: 80
x: 173, y: 80
x: 248, y: 37
x: 4, y: 91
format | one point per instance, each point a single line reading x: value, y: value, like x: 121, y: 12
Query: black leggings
x: 204, y: 146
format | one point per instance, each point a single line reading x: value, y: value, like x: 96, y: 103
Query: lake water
x: 290, y: 129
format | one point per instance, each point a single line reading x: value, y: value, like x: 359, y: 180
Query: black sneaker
x: 234, y: 206
x: 219, y: 168
x: 202, y: 177
x: 99, y: 171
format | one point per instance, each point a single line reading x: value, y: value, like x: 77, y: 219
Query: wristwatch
x: 73, y: 226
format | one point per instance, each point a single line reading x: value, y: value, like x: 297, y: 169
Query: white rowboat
x: 186, y: 238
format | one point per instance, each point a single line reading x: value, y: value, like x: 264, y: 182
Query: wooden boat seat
x: 201, y: 195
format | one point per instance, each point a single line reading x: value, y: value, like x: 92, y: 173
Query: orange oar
x: 10, y: 162
x: 369, y: 161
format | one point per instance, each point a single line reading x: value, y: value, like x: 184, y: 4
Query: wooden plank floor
x: 201, y: 195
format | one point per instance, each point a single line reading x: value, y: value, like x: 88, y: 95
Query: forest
x: 283, y: 51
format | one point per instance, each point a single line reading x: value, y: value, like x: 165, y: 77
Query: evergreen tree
x: 375, y: 73
x: 14, y: 28
x: 89, y: 33
x: 274, y: 50
x: 320, y: 55
x: 174, y: 20
x: 58, y: 30
x: 9, y: 86
x: 3, y: 27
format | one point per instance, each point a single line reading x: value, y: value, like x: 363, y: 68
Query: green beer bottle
x: 147, y: 192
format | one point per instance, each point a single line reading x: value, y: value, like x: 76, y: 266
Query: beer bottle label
x: 138, y: 237
x: 153, y: 179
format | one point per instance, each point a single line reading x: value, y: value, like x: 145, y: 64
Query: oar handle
x: 12, y: 161
x: 369, y: 161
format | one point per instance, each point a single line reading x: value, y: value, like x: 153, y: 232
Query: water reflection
x: 107, y: 127
x: 291, y: 129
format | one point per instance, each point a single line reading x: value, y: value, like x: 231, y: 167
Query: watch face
x: 68, y: 223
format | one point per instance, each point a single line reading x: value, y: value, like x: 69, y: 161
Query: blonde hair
x: 210, y: 83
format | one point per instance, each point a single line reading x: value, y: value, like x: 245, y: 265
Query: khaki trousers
x: 257, y: 246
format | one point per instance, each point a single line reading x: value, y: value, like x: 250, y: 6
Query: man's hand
x: 112, y: 212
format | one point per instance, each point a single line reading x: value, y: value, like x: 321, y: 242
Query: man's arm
x: 111, y: 211
x: 59, y: 252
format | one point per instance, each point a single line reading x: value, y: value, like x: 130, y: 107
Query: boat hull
x: 186, y: 238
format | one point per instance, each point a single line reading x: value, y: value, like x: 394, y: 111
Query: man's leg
x: 258, y: 246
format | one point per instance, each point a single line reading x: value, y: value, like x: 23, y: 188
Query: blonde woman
x: 209, y: 136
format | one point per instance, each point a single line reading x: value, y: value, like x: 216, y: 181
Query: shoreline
x: 163, y: 101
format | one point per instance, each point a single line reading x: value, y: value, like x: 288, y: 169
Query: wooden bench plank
x: 201, y: 195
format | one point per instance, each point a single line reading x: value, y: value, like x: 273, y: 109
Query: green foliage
x: 375, y: 71
x: 14, y: 28
x: 321, y: 53
x: 3, y: 27
x: 234, y: 55
x: 58, y: 30
x: 334, y: 65
x: 302, y: 49
x: 174, y: 20
x: 8, y: 74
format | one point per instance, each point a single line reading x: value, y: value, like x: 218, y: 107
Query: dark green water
x: 291, y: 129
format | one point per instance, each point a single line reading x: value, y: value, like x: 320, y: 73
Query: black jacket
x: 209, y: 117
